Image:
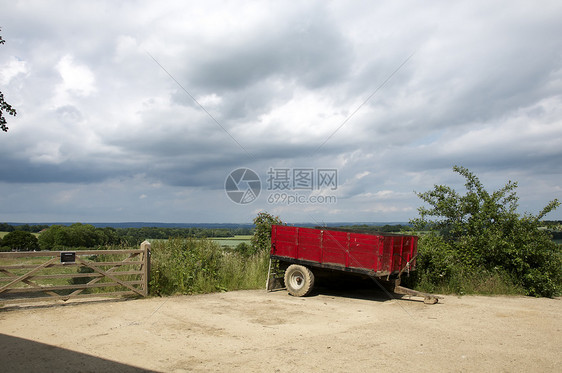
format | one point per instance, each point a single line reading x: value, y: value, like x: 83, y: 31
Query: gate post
x: 145, y: 246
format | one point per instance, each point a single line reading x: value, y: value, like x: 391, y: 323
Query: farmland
x: 232, y: 241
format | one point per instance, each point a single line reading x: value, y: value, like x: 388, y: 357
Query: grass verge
x: 192, y: 266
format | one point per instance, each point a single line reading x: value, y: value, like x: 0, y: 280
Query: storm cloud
x: 138, y: 111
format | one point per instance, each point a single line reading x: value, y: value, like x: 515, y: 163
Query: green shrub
x: 261, y: 240
x: 189, y: 266
x: 58, y: 237
x: 478, y: 242
x: 244, y: 249
x: 20, y: 241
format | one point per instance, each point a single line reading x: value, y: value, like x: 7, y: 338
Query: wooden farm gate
x: 64, y: 275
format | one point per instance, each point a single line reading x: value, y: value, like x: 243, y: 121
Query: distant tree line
x: 373, y: 229
x: 135, y: 236
x: 77, y: 235
x: 19, y: 241
x: 60, y: 237
x: 5, y: 227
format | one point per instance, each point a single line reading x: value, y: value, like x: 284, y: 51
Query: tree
x: 261, y: 240
x: 48, y: 238
x: 4, y: 106
x: 481, y: 232
x: 20, y: 241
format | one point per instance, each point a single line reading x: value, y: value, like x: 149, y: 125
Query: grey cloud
x: 308, y: 49
x: 493, y: 68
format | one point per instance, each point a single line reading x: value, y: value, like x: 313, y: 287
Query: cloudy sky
x: 139, y: 110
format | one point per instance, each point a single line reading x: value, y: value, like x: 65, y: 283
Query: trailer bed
x: 372, y: 254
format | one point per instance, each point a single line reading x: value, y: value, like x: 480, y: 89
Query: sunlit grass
x: 190, y: 266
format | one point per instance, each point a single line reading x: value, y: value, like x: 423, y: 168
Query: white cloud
x: 77, y: 80
x: 11, y: 69
x: 483, y: 89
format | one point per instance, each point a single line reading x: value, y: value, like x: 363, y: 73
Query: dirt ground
x: 256, y: 331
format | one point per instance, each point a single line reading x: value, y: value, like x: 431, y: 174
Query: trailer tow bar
x: 427, y: 298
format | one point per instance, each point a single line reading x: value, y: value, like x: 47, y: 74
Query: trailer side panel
x: 381, y: 254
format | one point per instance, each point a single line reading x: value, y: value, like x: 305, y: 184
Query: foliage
x: 481, y: 233
x: 244, y: 249
x: 85, y: 235
x: 20, y: 241
x: 77, y: 235
x: 189, y: 266
x: 373, y: 229
x: 5, y: 227
x: 261, y: 241
x: 134, y: 236
x: 4, y: 106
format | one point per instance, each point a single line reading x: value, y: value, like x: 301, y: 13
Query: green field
x: 231, y: 241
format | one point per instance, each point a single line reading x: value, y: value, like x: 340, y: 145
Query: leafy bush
x: 20, y: 241
x: 479, y: 236
x: 261, y: 241
x: 77, y: 235
x: 189, y: 266
x: 244, y: 249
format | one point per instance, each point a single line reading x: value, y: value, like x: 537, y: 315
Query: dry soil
x: 256, y: 331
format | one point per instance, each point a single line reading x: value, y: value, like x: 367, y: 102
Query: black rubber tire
x: 299, y: 280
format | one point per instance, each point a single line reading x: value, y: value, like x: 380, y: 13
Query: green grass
x: 460, y: 283
x: 232, y: 242
x: 192, y: 266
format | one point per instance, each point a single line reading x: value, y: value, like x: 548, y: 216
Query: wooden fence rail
x: 64, y: 275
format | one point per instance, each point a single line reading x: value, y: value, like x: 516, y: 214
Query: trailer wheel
x: 299, y: 280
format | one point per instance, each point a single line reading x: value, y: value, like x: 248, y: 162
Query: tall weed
x: 191, y: 266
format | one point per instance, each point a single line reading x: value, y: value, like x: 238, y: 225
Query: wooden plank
x: 34, y: 254
x: 70, y: 287
x: 66, y: 297
x: 140, y: 265
x: 109, y: 275
x: 28, y: 282
x: 128, y: 259
x: 57, y: 264
x: 27, y: 266
x: 22, y: 277
x: 145, y: 246
x: 77, y: 275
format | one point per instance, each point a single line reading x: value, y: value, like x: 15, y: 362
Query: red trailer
x: 300, y: 253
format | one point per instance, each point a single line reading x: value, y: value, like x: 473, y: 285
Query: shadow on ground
x: 6, y: 306
x: 23, y: 355
x: 357, y: 287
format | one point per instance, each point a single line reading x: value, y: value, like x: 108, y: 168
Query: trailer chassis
x: 277, y: 278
